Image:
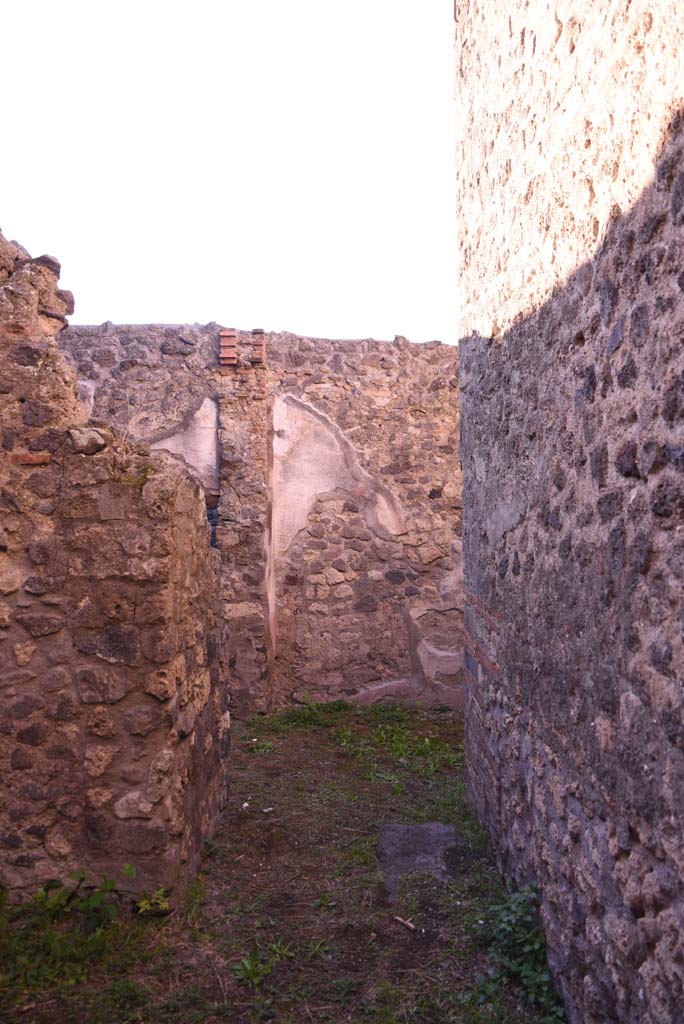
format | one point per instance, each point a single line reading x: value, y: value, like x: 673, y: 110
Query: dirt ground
x: 289, y: 920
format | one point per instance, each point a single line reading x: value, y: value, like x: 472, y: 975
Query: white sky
x: 285, y: 164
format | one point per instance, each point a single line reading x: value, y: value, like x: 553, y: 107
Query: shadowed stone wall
x: 573, y: 456
x: 114, y: 732
x: 336, y: 482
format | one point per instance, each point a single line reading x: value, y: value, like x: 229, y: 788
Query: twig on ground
x: 220, y: 981
x: 406, y: 923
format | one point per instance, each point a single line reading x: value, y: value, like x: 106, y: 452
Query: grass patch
x: 309, y: 716
x: 288, y: 920
x: 392, y: 748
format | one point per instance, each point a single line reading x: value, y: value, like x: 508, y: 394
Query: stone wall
x: 113, y: 723
x: 336, y: 480
x: 573, y: 453
x: 366, y: 506
x: 163, y: 384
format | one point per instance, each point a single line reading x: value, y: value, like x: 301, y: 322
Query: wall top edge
x: 110, y: 328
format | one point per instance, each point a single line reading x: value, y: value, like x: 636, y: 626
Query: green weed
x: 307, y: 716
x: 280, y: 950
x: 154, y: 903
x: 123, y: 998
x: 262, y: 1009
x: 56, y: 937
x: 393, y: 739
x: 319, y: 949
x: 186, y: 1007
x: 359, y: 852
x: 211, y: 847
x: 386, y: 714
x: 514, y: 934
x: 253, y: 968
x: 260, y: 747
x: 343, y: 989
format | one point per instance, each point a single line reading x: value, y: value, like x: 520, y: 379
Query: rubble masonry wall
x: 571, y: 192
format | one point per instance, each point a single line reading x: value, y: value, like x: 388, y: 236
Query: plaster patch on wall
x: 436, y: 639
x: 386, y: 416
x: 504, y: 516
x: 312, y: 457
x: 86, y: 392
x: 196, y: 445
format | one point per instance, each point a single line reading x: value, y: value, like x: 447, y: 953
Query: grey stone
x: 117, y: 643
x: 133, y: 805
x: 32, y: 735
x: 21, y: 760
x: 626, y: 463
x: 43, y: 584
x: 186, y: 721
x: 142, y: 719
x: 616, y: 336
x: 608, y: 296
x: 639, y: 323
x: 87, y: 440
x: 628, y: 374
x: 39, y: 624
x: 667, y: 500
x: 99, y: 686
x: 37, y: 414
x: 652, y: 458
x: 675, y: 455
x: 411, y: 849
x: 677, y: 201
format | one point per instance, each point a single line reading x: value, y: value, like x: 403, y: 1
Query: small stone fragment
x: 24, y: 652
x: 100, y: 686
x: 98, y: 797
x: 10, y: 580
x: 133, y: 805
x: 626, y: 463
x: 41, y: 624
x: 98, y: 759
x: 87, y: 440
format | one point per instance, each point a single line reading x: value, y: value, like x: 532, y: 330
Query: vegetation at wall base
x: 514, y: 934
x: 56, y: 940
x: 289, y: 920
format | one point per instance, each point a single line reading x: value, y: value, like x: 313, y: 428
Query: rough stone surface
x: 414, y: 849
x: 560, y: 111
x: 108, y: 579
x: 336, y: 486
x: 366, y: 500
x: 87, y: 441
x: 572, y: 429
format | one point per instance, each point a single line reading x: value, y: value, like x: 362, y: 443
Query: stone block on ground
x: 414, y: 849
